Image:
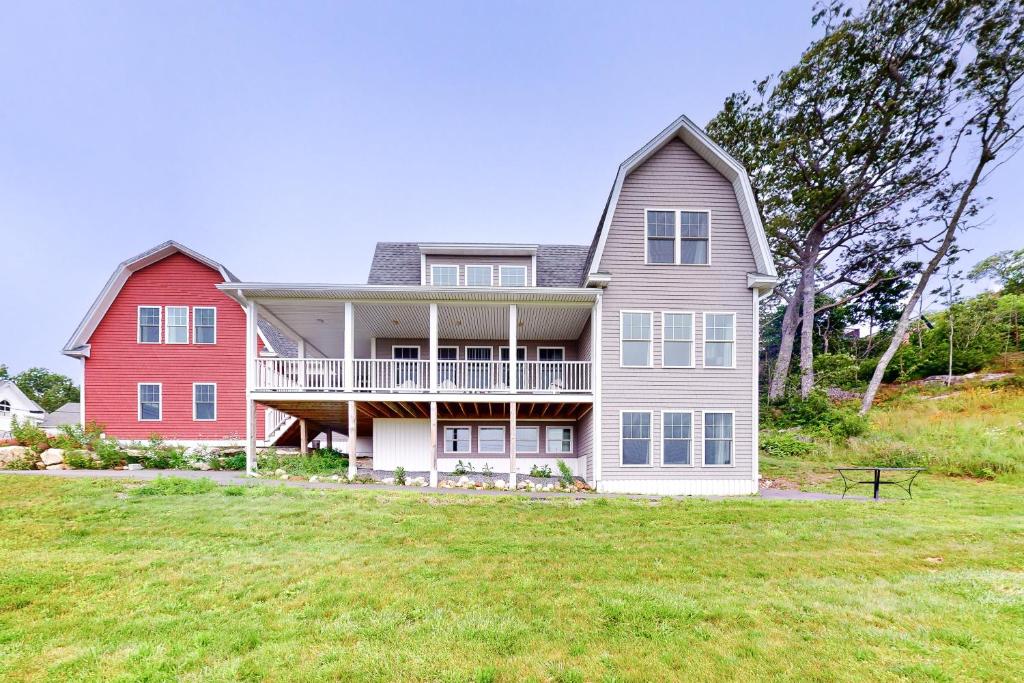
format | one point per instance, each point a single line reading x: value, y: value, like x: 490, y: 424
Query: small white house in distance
x: 67, y: 414
x: 15, y: 404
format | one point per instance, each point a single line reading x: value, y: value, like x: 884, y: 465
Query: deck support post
x: 352, y: 471
x: 250, y: 437
x: 512, y: 446
x: 251, y: 346
x: 433, y: 444
x: 303, y: 436
x: 433, y: 347
x: 329, y: 435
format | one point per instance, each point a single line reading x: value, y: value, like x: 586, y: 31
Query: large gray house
x: 633, y: 359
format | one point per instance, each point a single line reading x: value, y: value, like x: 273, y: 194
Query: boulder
x: 10, y: 454
x: 202, y: 466
x: 52, y: 456
x: 55, y: 466
x: 279, y: 472
x: 499, y: 483
x: 134, y: 466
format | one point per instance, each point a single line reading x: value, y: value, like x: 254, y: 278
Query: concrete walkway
x: 234, y: 478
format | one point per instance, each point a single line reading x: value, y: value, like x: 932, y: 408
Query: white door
x: 404, y: 443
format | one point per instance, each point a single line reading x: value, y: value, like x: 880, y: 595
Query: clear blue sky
x: 284, y: 139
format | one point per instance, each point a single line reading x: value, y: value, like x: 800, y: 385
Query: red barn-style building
x: 163, y: 352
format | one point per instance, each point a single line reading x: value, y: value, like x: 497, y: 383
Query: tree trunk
x: 810, y: 260
x: 787, y: 338
x: 949, y: 371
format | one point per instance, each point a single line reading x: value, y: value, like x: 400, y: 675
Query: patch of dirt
x: 790, y: 484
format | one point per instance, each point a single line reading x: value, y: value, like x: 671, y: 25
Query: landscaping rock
x: 202, y: 466
x: 11, y: 454
x: 313, y: 479
x: 134, y: 466
x: 279, y: 472
x: 52, y: 456
x: 56, y: 466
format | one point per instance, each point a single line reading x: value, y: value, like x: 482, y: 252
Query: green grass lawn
x: 98, y: 582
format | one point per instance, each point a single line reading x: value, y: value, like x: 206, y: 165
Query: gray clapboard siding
x: 676, y: 177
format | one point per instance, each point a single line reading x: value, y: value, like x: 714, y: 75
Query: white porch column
x: 352, y: 435
x: 433, y: 347
x: 251, y: 344
x: 595, y: 388
x: 513, y: 341
x: 348, y: 365
x: 433, y: 444
x: 512, y: 446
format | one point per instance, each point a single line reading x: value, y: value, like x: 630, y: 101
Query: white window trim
x: 479, y: 450
x: 446, y: 346
x: 650, y: 341
x: 5, y: 406
x: 490, y: 274
x: 167, y: 326
x: 693, y: 338
x: 572, y: 440
x: 703, y: 438
x: 704, y: 341
x: 536, y: 429
x: 678, y: 250
x: 445, y: 428
x: 502, y: 269
x: 518, y: 346
x: 476, y: 360
x: 458, y: 273
x: 194, y: 335
x: 195, y: 417
x: 138, y: 400
x: 159, y: 324
x: 549, y: 348
x: 693, y: 440
x: 419, y: 351
x: 650, y: 458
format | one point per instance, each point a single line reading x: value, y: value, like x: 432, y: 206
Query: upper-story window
x: 177, y: 325
x: 635, y: 339
x: 149, y: 325
x: 512, y: 276
x: 719, y: 340
x: 5, y: 407
x: 677, y: 237
x: 444, y: 276
x: 479, y: 276
x: 677, y: 340
x: 204, y: 319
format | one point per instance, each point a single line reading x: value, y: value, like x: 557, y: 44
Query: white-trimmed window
x: 718, y: 438
x: 635, y: 339
x: 457, y: 439
x: 527, y: 440
x: 5, y: 407
x: 479, y: 276
x: 204, y: 323
x: 444, y: 276
x: 490, y: 439
x: 661, y: 236
x: 512, y: 276
x: 677, y: 340
x: 719, y: 340
x: 204, y: 401
x: 676, y: 438
x: 558, y: 440
x: 149, y: 325
x: 635, y: 443
x: 176, y: 320
x: 150, y: 402
x: 693, y: 238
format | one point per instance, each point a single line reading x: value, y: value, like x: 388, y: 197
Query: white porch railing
x: 273, y: 420
x: 453, y: 376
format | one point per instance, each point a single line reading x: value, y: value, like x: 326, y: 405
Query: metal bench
x: 877, y: 482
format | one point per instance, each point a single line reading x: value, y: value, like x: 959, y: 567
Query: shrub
x: 175, y: 486
x: 544, y: 471
x: 26, y: 462
x: 76, y: 436
x: 782, y: 445
x: 462, y: 468
x: 80, y: 459
x: 159, y: 456
x: 235, y: 461
x: 30, y: 435
x: 566, y: 476
x: 817, y: 414
x: 837, y: 370
x: 320, y: 462
x: 109, y: 452
x: 400, y: 476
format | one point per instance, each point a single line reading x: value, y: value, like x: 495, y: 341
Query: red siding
x: 118, y: 363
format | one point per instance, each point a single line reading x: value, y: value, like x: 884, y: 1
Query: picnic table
x: 877, y: 481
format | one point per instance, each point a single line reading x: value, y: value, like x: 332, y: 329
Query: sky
x: 285, y: 139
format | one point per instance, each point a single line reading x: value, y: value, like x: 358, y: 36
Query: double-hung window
x: 675, y: 236
x: 676, y: 438
x: 512, y: 276
x: 635, y: 340
x: 693, y: 237
x: 636, y: 438
x: 677, y: 340
x: 479, y: 276
x: 719, y: 340
x: 559, y: 440
x: 490, y: 439
x: 204, y: 401
x: 149, y: 324
x: 527, y: 440
x: 204, y: 322
x: 444, y: 276
x: 661, y: 236
x: 717, y: 438
x: 457, y: 439
x: 150, y: 404
x: 177, y: 325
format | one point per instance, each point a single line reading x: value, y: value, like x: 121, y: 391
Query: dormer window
x: 479, y: 276
x: 512, y: 276
x: 677, y: 237
x: 444, y: 276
